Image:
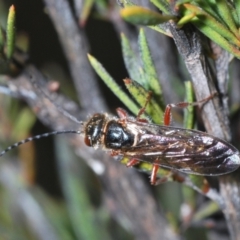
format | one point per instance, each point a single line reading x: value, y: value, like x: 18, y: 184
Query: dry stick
x: 74, y: 45
x: 189, y: 46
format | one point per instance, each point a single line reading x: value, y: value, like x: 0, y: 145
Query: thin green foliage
x: 86, y: 9
x: 218, y: 38
x: 188, y: 120
x: 132, y: 62
x: 83, y: 215
x: 162, y: 5
x: 149, y: 68
x: 56, y: 213
x: 188, y: 123
x: 10, y: 32
x: 23, y: 123
x: 218, y: 20
x: 144, y: 16
x: 209, y: 21
x: 206, y: 211
x: 1, y: 39
x: 141, y: 94
x: 209, y: 7
x: 111, y: 83
x: 184, y: 20
x: 237, y: 7
x: 224, y: 12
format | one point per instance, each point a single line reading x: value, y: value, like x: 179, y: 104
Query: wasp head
x: 94, y: 129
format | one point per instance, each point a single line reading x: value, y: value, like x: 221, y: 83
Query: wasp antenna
x: 38, y: 137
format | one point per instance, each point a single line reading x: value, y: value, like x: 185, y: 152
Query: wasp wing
x: 185, y: 150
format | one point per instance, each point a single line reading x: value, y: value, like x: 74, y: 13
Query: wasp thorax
x: 117, y: 137
x: 94, y: 129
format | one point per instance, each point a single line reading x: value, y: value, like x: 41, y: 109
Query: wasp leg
x: 143, y: 109
x: 168, y: 115
x: 114, y: 153
x: 121, y: 113
x: 153, y: 178
x: 165, y: 178
x: 132, y: 162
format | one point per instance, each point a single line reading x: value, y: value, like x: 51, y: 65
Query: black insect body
x: 188, y: 151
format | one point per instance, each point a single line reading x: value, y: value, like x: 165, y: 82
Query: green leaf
x: 147, y: 167
x: 23, y: 123
x: 144, y: 16
x: 82, y: 213
x: 10, y: 32
x: 185, y: 19
x: 110, y: 82
x: 141, y: 95
x: 132, y: 63
x: 189, y: 196
x: 126, y: 3
x: 217, y: 38
x: 188, y: 121
x: 86, y: 9
x: 101, y: 4
x: 55, y: 212
x: 159, y: 28
x: 200, y: 182
x: 1, y: 39
x: 237, y: 7
x: 162, y: 5
x: 210, y: 8
x: 212, y: 23
x: 149, y: 68
x: 206, y: 211
x: 225, y: 13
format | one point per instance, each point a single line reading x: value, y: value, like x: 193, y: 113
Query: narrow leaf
x: 206, y: 19
x: 237, y: 7
x: 1, y: 39
x: 132, y: 63
x: 162, y: 5
x: 23, y: 123
x: 86, y: 9
x: 143, y: 16
x: 149, y: 68
x: 160, y: 29
x: 82, y: 213
x: 56, y: 214
x: 200, y: 182
x: 185, y: 19
x: 233, y: 12
x: 110, y: 82
x: 10, y: 32
x: 224, y: 11
x: 206, y: 211
x: 141, y: 95
x: 189, y: 196
x: 210, y: 8
x: 217, y: 38
x: 188, y: 112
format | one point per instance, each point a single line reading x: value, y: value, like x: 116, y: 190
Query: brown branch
x: 125, y: 191
x: 189, y: 45
x: 75, y: 47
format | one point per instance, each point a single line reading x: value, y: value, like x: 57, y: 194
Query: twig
x: 189, y: 45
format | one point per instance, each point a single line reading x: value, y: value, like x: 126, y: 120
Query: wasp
x: 188, y: 151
